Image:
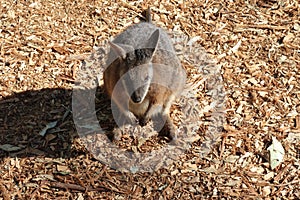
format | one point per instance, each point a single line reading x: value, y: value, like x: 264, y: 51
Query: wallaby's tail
x: 148, y: 15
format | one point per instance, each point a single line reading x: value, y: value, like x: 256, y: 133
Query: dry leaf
x: 48, y: 126
x: 276, y: 153
x: 10, y: 148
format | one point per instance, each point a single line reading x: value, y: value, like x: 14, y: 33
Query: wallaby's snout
x: 136, y: 82
x: 136, y: 97
x: 140, y: 93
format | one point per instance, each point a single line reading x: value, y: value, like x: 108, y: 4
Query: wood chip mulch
x: 255, y: 43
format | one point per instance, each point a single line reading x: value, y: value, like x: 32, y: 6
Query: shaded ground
x: 256, y: 43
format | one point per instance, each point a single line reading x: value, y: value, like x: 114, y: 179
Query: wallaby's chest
x: 139, y: 109
x: 153, y: 103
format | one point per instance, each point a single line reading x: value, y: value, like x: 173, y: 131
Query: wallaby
x: 144, y: 76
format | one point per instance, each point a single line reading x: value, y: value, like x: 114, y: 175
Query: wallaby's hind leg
x: 168, y: 129
x: 164, y: 125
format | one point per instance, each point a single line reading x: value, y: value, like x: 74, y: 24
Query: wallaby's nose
x: 135, y: 98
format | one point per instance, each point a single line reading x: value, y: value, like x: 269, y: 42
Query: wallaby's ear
x: 153, y: 41
x: 117, y: 49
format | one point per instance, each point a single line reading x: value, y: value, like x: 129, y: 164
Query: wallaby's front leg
x: 122, y: 115
x: 121, y: 110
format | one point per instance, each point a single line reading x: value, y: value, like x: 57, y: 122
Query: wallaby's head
x: 136, y: 69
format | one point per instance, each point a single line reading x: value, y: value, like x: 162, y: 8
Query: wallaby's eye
x: 130, y: 59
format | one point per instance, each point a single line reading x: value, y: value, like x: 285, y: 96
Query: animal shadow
x: 26, y: 119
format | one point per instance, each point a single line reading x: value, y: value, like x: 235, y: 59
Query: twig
x: 67, y: 79
x: 86, y: 189
x: 83, y: 56
x: 75, y: 187
x: 245, y: 180
x: 282, y: 172
x: 285, y: 184
x: 265, y: 26
x: 242, y: 28
x: 4, y: 192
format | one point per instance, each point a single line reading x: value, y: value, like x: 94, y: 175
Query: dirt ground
x: 257, y: 45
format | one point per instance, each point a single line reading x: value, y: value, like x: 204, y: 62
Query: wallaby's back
x: 136, y: 35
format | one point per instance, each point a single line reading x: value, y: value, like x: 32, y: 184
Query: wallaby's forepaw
x: 174, y: 142
x: 116, y: 134
x: 127, y: 118
x: 131, y: 118
x: 169, y: 131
